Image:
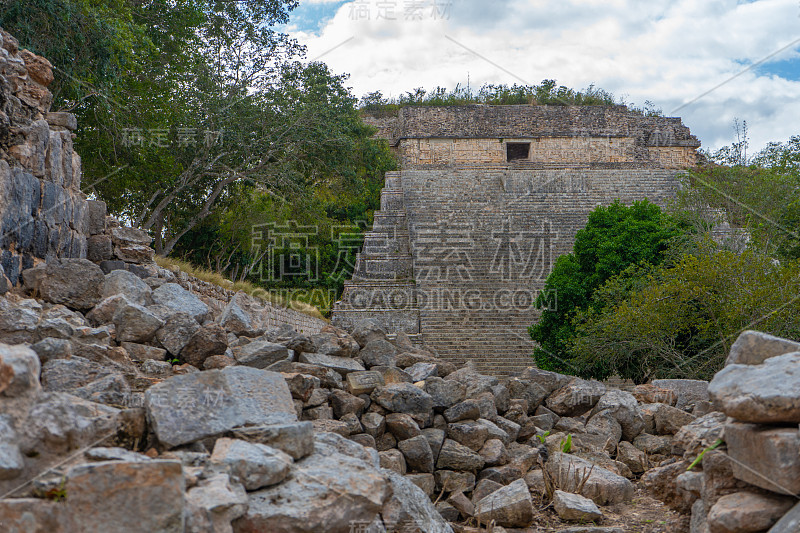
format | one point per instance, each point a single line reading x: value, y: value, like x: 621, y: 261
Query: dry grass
x: 216, y: 278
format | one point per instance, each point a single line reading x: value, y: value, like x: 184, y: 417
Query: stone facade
x: 43, y: 213
x: 469, y: 230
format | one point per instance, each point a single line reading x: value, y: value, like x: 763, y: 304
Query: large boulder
x: 368, y: 330
x: 410, y: 507
x: 253, y: 465
x: 176, y: 332
x: 260, y: 353
x: 765, y: 393
x: 755, y: 347
x: 403, y: 398
x: 190, y: 407
x: 208, y: 340
x: 510, y: 506
x: 19, y: 371
x: 179, y: 299
x: 602, y: 486
x: 378, y: 352
x: 336, y: 342
x: 575, y: 398
x: 135, y: 323
x: 688, y: 392
x: 742, y: 512
x: 765, y: 456
x: 76, y: 283
x: 128, y: 285
x: 133, y: 496
x: 342, y: 365
x: 330, y: 490
x: 623, y: 408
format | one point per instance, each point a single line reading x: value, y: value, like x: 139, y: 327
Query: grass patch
x: 218, y: 279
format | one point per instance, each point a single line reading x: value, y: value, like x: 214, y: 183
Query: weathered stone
x: 622, y: 406
x: 755, y: 347
x: 342, y: 365
x: 364, y: 382
x: 374, y: 424
x: 11, y: 460
x: 402, y: 426
x: 574, y: 507
x: 700, y: 433
x: 789, y: 523
x: 213, y: 503
x: 649, y: 393
x: 653, y: 444
x: 176, y: 297
x: 136, y: 496
x: 669, y: 420
x: 417, y: 453
x: 422, y: 371
x: 466, y: 410
x: 603, y: 423
x: 379, y: 352
x: 206, y: 341
x: 261, y: 353
x: 393, y: 460
x: 745, y: 512
x: 18, y: 322
x: 392, y: 375
x: 494, y: 453
x: 718, y: 478
x: 435, y: 439
x: 447, y: 511
x: 510, y: 506
x: 368, y: 330
x: 35, y: 515
x: 19, y: 371
x: 135, y: 323
x: 128, y: 285
x: 450, y: 481
x: 335, y: 342
x: 530, y: 391
x: 76, y: 283
x: 176, y: 332
x: 345, y: 403
x: 510, y: 431
x: 471, y: 434
x: 99, y: 248
x: 293, y: 438
x: 765, y: 456
x: 575, y: 398
x: 483, y: 489
x: 409, y: 507
x: 218, y: 361
x: 689, y: 392
x: 403, y: 398
x: 157, y: 368
x: 455, y: 456
x: 424, y: 482
x: 143, y: 352
x: 124, y: 235
x: 235, y: 319
x: 765, y: 393
x: 189, y: 407
x: 253, y: 465
x: 602, y: 486
x: 331, y: 426
x: 661, y: 482
x: 632, y: 457
x: 464, y: 506
x: 475, y: 383
x: 445, y: 393
x: 115, y: 454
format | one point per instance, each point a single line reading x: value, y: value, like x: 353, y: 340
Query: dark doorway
x: 517, y: 151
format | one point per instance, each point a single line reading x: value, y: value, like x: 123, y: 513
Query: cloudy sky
x: 707, y: 61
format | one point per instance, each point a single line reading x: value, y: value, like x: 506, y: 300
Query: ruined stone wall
x: 42, y: 210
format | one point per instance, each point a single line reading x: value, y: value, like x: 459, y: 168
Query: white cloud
x: 668, y: 54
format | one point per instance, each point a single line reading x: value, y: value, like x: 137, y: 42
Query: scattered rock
x: 179, y: 299
x: 755, y: 347
x: 253, y: 465
x: 575, y: 508
x: 765, y: 393
x: 76, y: 283
x: 510, y: 506
x: 743, y: 512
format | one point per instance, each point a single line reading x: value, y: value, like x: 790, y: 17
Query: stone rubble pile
x: 748, y: 476
x: 145, y: 405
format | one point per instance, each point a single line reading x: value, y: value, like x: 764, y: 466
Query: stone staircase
x: 457, y: 257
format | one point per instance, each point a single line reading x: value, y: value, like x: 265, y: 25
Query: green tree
x: 615, y: 237
x: 679, y: 321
